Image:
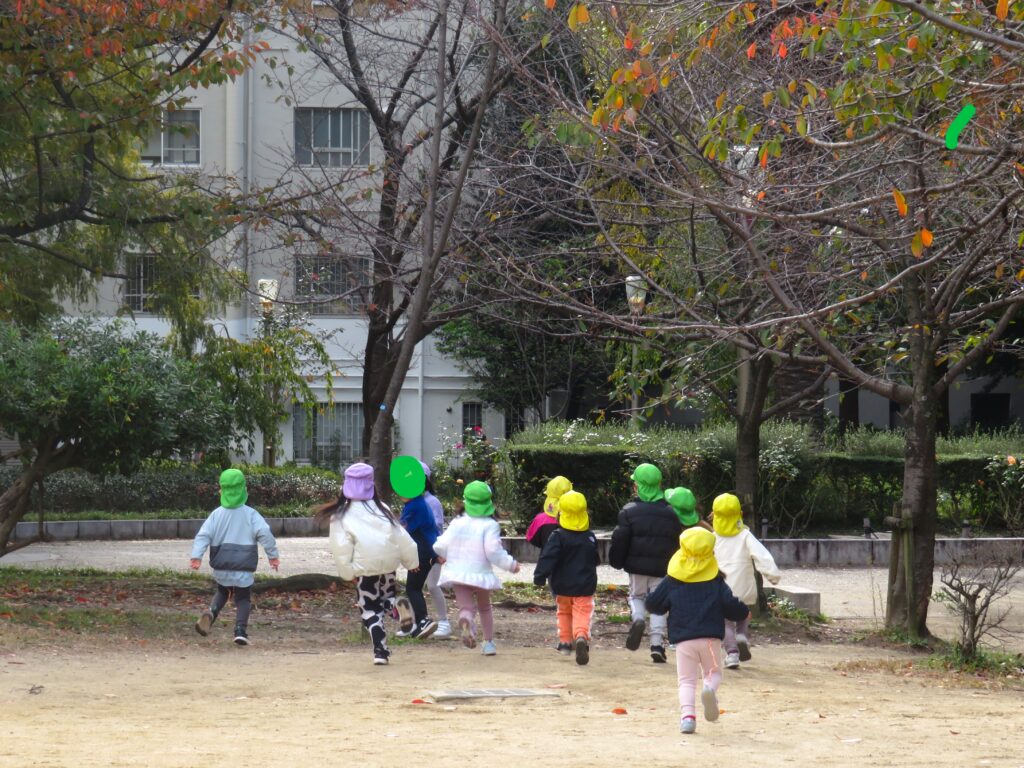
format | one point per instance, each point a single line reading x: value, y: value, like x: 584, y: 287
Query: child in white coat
x: 368, y: 545
x: 468, y: 549
x: 737, y: 551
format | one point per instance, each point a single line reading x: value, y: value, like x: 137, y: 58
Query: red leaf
x: 783, y: 51
x: 752, y: 50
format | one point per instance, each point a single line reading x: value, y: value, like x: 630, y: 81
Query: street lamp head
x: 636, y: 294
x: 267, y: 290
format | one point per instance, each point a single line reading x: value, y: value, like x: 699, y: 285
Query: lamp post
x: 636, y: 297
x: 268, y: 291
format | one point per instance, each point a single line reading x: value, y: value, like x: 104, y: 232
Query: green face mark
x: 959, y: 123
x: 407, y: 477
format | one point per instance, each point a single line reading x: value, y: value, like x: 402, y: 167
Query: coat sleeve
x: 733, y: 608
x: 408, y: 551
x: 202, y: 540
x: 264, y: 536
x: 496, y: 553
x: 620, y: 542
x: 343, y: 548
x: 658, y: 601
x: 441, y: 544
x: 763, y: 559
x: 548, y: 557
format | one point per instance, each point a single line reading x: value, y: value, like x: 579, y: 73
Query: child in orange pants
x: 569, y: 559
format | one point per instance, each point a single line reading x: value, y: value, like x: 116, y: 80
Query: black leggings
x: 414, y: 582
x: 243, y: 603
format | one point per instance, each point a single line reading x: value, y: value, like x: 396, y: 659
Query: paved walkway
x: 850, y: 594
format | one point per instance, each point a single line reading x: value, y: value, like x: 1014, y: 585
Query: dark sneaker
x: 657, y: 654
x: 424, y: 629
x: 636, y: 633
x: 564, y: 648
x: 406, y: 618
x: 582, y: 651
x: 381, y: 656
x: 744, y: 647
x: 241, y: 638
x: 204, y: 623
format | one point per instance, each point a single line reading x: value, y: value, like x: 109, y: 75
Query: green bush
x: 172, y: 486
x: 801, y: 487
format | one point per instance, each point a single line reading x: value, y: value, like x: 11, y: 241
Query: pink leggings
x: 464, y: 599
x: 691, y: 657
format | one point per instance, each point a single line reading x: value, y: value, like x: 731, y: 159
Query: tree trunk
x: 14, y: 502
x: 907, y: 606
x: 755, y: 376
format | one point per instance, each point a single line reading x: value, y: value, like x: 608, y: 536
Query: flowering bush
x: 1006, y: 480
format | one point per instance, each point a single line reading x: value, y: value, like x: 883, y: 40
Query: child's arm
x: 266, y: 538
x: 441, y: 544
x: 658, y: 601
x: 496, y: 553
x: 620, y: 543
x: 548, y: 557
x: 733, y: 608
x: 201, y: 543
x: 763, y: 559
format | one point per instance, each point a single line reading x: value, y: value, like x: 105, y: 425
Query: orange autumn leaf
x: 926, y: 236
x: 549, y: 4
x: 752, y: 50
x: 901, y: 203
x: 582, y: 15
x: 912, y: 43
x: 764, y: 157
x: 783, y: 51
x: 760, y: 195
x: 1002, y: 9
x: 864, y: 275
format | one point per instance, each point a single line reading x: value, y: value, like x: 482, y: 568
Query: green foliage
x: 984, y: 663
x: 167, y: 489
x: 800, y: 486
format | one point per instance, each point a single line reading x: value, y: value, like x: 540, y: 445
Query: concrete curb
x: 788, y: 553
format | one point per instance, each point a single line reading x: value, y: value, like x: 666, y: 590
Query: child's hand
x: 441, y: 560
x: 774, y: 579
x: 194, y: 563
x: 275, y: 563
x: 515, y: 568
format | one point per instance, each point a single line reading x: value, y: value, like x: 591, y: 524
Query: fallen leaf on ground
x: 618, y: 711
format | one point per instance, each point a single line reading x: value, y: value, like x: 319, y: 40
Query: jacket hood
x: 695, y: 560
x: 728, y: 517
x: 477, y: 498
x: 232, y: 489
x: 684, y: 503
x: 648, y: 482
x: 573, y: 512
x: 556, y: 488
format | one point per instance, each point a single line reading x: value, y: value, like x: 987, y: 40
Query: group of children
x: 695, y: 580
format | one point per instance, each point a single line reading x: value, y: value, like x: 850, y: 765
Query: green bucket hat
x: 685, y: 505
x: 477, y: 497
x: 648, y: 482
x: 232, y: 489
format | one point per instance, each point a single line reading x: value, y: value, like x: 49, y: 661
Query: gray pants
x: 436, y: 593
x: 639, y: 588
x: 733, y: 628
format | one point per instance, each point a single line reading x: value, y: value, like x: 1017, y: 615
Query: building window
x: 175, y: 141
x: 138, y: 289
x: 334, y: 437
x: 990, y: 410
x: 332, y: 138
x: 472, y: 416
x: 333, y: 284
x: 515, y: 420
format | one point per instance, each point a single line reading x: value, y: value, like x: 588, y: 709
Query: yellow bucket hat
x: 695, y: 560
x: 556, y: 488
x: 728, y: 517
x: 573, y: 512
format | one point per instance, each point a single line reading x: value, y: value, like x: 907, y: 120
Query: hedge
x: 797, y: 492
x: 171, y: 486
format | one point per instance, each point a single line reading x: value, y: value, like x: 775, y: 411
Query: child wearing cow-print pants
x: 368, y: 545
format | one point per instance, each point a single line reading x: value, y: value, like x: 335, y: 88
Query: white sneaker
x: 443, y: 631
x: 732, y: 660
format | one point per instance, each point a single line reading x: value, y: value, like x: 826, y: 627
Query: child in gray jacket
x: 231, y: 532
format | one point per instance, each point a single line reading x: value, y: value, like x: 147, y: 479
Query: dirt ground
x: 95, y: 672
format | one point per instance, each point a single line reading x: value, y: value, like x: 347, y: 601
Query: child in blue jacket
x: 231, y: 532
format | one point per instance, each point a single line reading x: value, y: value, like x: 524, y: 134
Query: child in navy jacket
x: 418, y: 520
x: 569, y: 560
x: 698, y: 601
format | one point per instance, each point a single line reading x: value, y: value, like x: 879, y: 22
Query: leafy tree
x: 84, y: 82
x: 101, y: 399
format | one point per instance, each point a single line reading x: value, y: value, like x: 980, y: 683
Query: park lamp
x: 636, y: 294
x: 267, y: 290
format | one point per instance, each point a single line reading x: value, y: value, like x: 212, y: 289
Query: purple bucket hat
x: 426, y: 468
x: 358, y: 483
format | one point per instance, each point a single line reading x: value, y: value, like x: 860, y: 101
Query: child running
x: 684, y: 503
x: 570, y: 559
x: 737, y: 550
x: 468, y: 549
x: 698, y: 603
x: 418, y: 521
x: 368, y: 544
x: 444, y: 629
x: 546, y: 521
x: 231, y: 532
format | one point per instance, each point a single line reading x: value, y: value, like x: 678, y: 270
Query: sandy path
x: 207, y: 704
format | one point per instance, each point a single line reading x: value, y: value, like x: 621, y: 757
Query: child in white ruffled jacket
x: 737, y: 551
x: 468, y: 549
